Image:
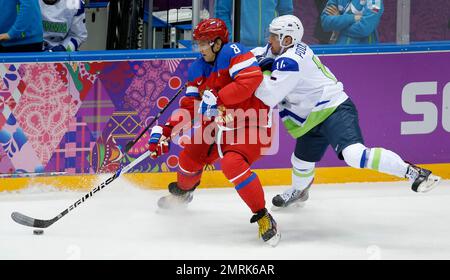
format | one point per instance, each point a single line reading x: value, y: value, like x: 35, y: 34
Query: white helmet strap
x: 281, y: 38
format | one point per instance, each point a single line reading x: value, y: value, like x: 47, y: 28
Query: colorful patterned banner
x: 77, y: 117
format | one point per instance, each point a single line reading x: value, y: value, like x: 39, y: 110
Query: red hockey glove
x: 159, y: 141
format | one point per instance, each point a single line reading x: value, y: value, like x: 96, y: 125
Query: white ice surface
x: 340, y: 221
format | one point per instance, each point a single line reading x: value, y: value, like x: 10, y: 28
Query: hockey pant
x: 235, y: 164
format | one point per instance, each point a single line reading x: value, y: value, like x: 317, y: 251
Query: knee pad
x: 356, y: 155
x: 189, y: 164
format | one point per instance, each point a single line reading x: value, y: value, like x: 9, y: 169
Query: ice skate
x: 268, y: 230
x: 177, y: 199
x: 290, y: 198
x: 423, y: 180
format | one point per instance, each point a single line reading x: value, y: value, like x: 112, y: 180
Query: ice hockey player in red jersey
x: 221, y: 86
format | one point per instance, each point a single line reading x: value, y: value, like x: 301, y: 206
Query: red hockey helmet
x: 210, y: 29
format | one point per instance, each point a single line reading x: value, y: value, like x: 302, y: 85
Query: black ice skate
x: 290, y: 198
x: 268, y: 230
x: 177, y: 198
x: 423, y: 179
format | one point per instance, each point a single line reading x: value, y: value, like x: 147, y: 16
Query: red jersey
x: 235, y: 75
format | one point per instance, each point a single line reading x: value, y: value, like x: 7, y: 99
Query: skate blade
x: 291, y: 207
x: 430, y: 184
x: 273, y: 242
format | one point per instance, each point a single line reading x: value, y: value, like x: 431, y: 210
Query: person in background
x: 352, y: 21
x: 20, y: 30
x: 64, y: 24
x: 255, y: 17
x: 322, y: 36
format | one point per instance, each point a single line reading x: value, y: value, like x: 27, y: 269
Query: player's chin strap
x: 284, y: 48
x: 212, y: 44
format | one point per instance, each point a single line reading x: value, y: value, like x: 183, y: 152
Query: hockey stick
x: 37, y: 223
x: 131, y: 143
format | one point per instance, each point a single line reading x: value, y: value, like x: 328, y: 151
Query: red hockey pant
x: 235, y: 164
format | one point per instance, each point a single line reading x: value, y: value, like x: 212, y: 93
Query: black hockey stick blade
x: 30, y: 222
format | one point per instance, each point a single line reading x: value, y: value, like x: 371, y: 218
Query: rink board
x: 211, y: 179
x: 99, y: 101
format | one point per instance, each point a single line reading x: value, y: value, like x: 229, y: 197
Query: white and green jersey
x: 305, y: 90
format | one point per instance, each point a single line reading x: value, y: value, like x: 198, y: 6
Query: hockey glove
x: 266, y: 64
x: 208, y: 106
x: 158, y: 144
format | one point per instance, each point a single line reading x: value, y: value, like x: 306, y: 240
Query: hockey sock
x: 189, y: 172
x: 379, y: 159
x: 302, y: 173
x: 386, y: 161
x: 246, y: 183
x: 251, y: 192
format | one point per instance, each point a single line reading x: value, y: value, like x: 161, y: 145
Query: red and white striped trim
x: 185, y: 171
x: 239, y: 176
x: 241, y: 65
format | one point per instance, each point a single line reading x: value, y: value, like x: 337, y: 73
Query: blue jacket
x: 22, y: 20
x: 350, y: 31
x: 256, y: 16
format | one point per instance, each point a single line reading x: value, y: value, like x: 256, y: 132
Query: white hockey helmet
x: 287, y: 25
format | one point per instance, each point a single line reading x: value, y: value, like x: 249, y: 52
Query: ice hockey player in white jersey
x: 64, y: 24
x: 317, y: 112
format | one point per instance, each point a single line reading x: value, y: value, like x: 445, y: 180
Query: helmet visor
x: 268, y: 34
x: 272, y: 37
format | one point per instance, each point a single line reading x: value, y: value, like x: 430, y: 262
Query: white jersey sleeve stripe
x: 242, y: 65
